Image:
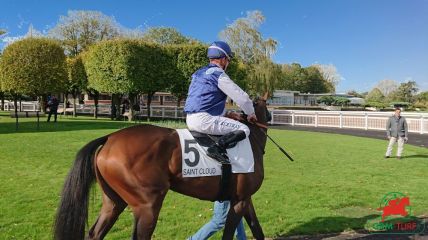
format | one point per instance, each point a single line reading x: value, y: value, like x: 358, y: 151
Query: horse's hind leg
x: 253, y: 222
x: 109, y: 213
x: 146, y: 214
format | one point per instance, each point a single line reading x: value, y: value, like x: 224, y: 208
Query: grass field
x: 335, y: 184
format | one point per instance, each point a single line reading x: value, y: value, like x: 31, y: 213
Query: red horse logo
x: 395, y: 207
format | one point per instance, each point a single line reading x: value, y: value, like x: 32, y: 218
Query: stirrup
x: 219, y: 154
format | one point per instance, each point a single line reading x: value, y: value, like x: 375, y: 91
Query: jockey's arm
x: 238, y: 95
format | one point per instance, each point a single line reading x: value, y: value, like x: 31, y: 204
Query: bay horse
x: 136, y: 167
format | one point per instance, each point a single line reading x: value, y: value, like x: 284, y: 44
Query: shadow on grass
x: 69, y: 125
x: 415, y: 156
x: 338, y: 225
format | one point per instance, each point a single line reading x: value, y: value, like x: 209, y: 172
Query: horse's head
x: 262, y: 113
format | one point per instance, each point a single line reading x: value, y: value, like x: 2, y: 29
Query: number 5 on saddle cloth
x: 196, y: 162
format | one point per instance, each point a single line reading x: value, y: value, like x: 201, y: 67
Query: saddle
x: 207, y: 140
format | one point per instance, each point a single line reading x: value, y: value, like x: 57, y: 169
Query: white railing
x: 417, y: 122
x: 26, y: 106
x: 171, y: 112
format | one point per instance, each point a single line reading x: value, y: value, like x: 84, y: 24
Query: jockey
x: 205, y: 104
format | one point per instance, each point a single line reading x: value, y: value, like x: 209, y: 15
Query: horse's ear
x: 265, y: 96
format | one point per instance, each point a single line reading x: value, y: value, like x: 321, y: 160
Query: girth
x: 207, y: 140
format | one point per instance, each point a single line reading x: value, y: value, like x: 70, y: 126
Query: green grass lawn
x: 335, y: 184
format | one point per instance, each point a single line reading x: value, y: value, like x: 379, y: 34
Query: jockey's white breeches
x: 217, y: 125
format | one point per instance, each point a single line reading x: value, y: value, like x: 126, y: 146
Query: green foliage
x: 334, y: 100
x: 404, y: 93
x: 356, y: 94
x: 77, y: 78
x: 376, y: 104
x: 327, y: 100
x: 187, y: 58
x: 306, y: 80
x: 33, y: 66
x: 165, y: 36
x: 246, y: 40
x: 116, y: 66
x: 341, y: 101
x: 375, y: 95
x: 238, y: 71
x: 2, y: 32
x: 421, y: 100
x: 263, y: 77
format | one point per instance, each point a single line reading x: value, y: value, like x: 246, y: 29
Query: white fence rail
x: 417, y: 122
x: 26, y: 106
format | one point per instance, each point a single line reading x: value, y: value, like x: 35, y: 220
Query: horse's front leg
x: 236, y: 211
x: 253, y: 222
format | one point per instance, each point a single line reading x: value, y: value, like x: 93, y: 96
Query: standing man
x: 396, y: 130
x: 53, y: 108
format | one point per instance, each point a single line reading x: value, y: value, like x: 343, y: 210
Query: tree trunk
x: 2, y: 100
x: 112, y: 107
x: 96, y: 96
x: 179, y: 102
x: 115, y: 107
x: 15, y: 102
x: 132, y: 101
x: 65, y: 104
x: 42, y: 103
x: 74, y: 105
x: 20, y: 103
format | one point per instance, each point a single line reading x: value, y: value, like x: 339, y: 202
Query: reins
x: 261, y: 125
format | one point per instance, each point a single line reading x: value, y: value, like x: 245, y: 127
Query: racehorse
x: 136, y: 167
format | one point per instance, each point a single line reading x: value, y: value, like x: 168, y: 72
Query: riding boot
x: 218, y: 150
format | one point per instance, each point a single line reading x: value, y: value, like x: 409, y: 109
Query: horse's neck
x: 257, y: 144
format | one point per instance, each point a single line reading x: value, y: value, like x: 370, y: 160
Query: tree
x: 387, y: 86
x: 341, y: 101
x: 330, y: 74
x: 128, y: 67
x: 246, y: 40
x: 421, y: 100
x: 255, y: 52
x: 33, y: 66
x: 116, y: 67
x: 355, y: 94
x: 77, y: 79
x: 186, y: 59
x: 81, y: 29
x: 263, y: 77
x: 2, y: 32
x: 404, y: 93
x: 306, y: 80
x: 375, y: 95
x: 164, y: 36
x: 327, y: 100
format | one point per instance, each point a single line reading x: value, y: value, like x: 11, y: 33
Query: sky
x: 367, y: 40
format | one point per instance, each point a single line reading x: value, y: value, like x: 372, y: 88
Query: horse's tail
x: 72, y: 213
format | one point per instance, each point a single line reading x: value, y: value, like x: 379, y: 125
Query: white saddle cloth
x: 196, y: 163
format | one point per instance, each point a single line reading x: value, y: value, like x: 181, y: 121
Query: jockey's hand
x: 235, y: 116
x: 252, y: 118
